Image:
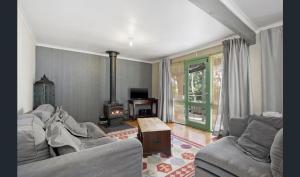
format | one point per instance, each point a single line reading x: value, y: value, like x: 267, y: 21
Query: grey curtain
x: 165, y: 91
x: 272, y: 69
x: 235, y: 92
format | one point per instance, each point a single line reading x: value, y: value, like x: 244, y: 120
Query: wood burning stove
x: 113, y: 111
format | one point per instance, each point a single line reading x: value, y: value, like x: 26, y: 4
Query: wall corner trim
x: 273, y: 25
x: 88, y: 52
x: 25, y: 22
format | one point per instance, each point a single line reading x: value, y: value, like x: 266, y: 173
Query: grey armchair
x: 223, y: 158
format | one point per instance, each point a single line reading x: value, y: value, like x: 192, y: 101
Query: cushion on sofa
x: 32, y: 145
x: 224, y: 154
x: 35, y: 120
x: 276, y: 155
x: 46, y: 107
x: 276, y: 122
x: 237, y: 125
x: 258, y: 137
x: 44, y: 112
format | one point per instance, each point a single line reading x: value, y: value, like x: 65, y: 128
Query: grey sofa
x: 122, y: 158
x: 223, y: 158
x: 108, y: 158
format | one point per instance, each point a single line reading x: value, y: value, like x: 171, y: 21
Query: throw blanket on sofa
x: 58, y: 136
x: 63, y: 130
x: 85, y: 130
x: 70, y: 123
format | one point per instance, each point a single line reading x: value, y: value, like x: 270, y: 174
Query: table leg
x: 129, y: 112
x: 133, y: 110
x: 156, y: 107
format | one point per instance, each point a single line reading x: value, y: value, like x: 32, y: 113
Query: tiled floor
x: 192, y: 134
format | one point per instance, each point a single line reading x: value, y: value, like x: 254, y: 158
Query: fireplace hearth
x: 113, y: 111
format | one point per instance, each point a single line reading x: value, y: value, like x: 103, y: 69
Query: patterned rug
x: 180, y: 164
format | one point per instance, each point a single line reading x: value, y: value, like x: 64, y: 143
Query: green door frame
x: 207, y: 125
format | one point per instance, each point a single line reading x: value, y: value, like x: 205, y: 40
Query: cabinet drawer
x: 156, y: 141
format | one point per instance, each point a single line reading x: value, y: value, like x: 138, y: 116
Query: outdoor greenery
x: 196, y: 84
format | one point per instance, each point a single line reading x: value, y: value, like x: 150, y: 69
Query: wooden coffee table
x: 155, y: 136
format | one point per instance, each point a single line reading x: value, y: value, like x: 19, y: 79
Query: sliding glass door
x: 197, y: 93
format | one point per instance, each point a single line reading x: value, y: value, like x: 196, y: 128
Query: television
x: 138, y: 93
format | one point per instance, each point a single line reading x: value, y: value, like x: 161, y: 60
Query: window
x: 177, y: 72
x: 217, y: 71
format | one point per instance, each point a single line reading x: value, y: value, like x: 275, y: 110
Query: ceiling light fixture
x: 130, y: 41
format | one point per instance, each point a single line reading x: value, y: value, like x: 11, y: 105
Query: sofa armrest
x: 120, y: 158
x: 237, y: 126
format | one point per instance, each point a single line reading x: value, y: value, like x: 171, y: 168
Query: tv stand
x: 144, y: 101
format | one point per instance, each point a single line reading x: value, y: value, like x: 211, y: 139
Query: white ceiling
x: 262, y: 12
x: 158, y: 27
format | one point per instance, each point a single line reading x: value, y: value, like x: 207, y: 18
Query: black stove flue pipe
x: 112, y: 61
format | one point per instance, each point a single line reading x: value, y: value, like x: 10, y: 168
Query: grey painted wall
x: 82, y: 80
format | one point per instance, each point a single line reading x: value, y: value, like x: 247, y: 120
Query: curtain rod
x: 208, y: 55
